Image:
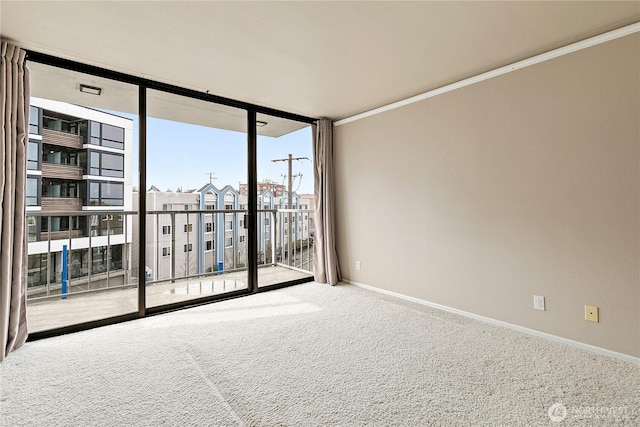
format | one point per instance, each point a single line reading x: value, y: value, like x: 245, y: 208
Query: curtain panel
x: 14, y: 97
x: 326, y: 268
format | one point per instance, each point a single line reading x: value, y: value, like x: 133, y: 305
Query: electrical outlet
x: 357, y: 265
x: 538, y: 302
x: 591, y: 313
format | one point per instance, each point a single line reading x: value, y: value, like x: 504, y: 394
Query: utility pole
x: 290, y: 160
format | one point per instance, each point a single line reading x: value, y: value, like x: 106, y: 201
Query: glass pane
x: 95, y: 129
x: 285, y: 196
x: 112, y: 161
x: 80, y: 263
x: 112, y: 133
x: 194, y: 200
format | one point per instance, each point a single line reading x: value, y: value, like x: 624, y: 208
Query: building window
x: 209, y: 245
x: 61, y: 188
x: 57, y: 155
x: 266, y: 221
x: 188, y: 228
x: 187, y: 207
x: 208, y: 227
x: 210, y: 207
x: 242, y: 223
x: 79, y: 259
x: 106, y: 194
x: 166, y: 207
x: 32, y: 229
x: 166, y: 229
x: 106, y: 164
x: 35, y: 120
x: 188, y: 248
x: 61, y: 223
x: 33, y: 155
x: 228, y: 241
x: 106, y: 135
x: 37, y: 270
x: 32, y: 191
x: 241, y: 238
x: 166, y: 251
x: 228, y: 225
x: 228, y: 207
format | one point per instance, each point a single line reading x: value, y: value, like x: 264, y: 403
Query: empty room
x: 320, y: 213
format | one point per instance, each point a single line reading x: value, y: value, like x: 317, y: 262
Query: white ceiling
x: 319, y: 59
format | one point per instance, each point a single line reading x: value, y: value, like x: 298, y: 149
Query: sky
x: 183, y: 155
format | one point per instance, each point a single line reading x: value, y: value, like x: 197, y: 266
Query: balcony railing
x: 180, y: 244
x: 60, y: 204
x: 96, y: 256
x: 51, y: 170
x: 64, y: 139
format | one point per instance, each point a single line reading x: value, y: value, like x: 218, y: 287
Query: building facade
x: 78, y: 162
x: 203, y: 231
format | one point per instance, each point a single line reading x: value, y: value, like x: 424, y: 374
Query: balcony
x: 102, y: 268
x: 61, y: 204
x: 63, y: 139
x: 51, y: 170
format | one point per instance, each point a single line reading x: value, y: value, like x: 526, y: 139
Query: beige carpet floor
x: 313, y: 355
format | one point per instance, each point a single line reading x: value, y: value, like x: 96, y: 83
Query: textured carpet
x: 313, y: 355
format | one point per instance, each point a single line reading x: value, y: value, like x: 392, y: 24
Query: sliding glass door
x: 285, y: 201
x: 144, y: 197
x: 196, y: 242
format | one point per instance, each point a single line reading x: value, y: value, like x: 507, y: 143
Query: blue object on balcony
x: 220, y: 267
x: 65, y: 271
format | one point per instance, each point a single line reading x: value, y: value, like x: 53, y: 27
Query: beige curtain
x: 14, y: 96
x: 326, y: 268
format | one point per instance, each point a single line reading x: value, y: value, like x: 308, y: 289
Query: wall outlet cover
x: 538, y: 302
x: 591, y: 313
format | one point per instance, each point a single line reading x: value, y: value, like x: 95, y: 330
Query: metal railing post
x: 272, y: 236
x: 173, y: 247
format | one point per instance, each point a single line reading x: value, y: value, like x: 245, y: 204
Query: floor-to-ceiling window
x: 82, y: 178
x: 285, y: 200
x: 143, y: 197
x: 195, y: 235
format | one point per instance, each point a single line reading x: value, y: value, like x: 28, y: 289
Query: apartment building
x: 78, y: 161
x: 266, y: 185
x: 199, y: 232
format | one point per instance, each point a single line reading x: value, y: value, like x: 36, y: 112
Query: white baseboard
x: 578, y: 344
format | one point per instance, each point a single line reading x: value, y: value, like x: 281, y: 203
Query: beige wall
x: 524, y: 184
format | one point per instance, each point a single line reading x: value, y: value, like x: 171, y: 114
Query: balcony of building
x: 60, y: 204
x: 60, y: 195
x: 63, y: 139
x: 63, y: 171
x: 98, y: 276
